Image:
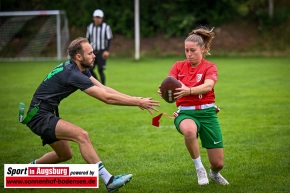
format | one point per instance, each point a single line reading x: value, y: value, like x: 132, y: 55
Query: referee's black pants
x: 101, y: 63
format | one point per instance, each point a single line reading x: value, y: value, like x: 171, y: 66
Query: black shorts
x: 43, y: 124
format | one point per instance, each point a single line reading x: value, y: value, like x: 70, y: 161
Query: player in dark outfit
x: 49, y: 94
x: 65, y: 79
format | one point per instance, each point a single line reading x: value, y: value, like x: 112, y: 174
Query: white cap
x: 98, y: 13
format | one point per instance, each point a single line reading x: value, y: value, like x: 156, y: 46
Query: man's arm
x: 106, y: 88
x: 117, y: 98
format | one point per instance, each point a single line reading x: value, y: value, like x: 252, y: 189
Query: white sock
x: 105, y: 175
x: 197, y: 162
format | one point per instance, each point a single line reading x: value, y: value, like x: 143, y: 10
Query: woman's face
x: 193, y: 52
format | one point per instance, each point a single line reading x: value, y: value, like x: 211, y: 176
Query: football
x: 167, y: 88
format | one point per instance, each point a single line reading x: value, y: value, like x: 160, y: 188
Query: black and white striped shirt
x: 99, y: 36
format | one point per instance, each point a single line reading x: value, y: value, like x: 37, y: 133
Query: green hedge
x: 170, y: 18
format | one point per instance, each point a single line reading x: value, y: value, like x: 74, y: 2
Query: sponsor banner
x: 51, y: 176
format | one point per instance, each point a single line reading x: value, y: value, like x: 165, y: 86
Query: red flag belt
x: 155, y: 120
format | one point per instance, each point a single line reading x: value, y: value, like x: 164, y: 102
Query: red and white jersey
x: 194, y: 76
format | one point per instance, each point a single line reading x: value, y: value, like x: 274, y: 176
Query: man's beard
x: 85, y: 65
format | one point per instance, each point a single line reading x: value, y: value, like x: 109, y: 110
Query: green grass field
x: 254, y: 97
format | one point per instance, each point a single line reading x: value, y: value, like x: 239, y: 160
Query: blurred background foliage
x: 169, y: 18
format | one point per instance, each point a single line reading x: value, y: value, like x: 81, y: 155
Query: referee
x: 99, y: 35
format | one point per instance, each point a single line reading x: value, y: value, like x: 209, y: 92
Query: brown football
x: 168, y: 87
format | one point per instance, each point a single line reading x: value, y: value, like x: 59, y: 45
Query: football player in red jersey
x: 197, y: 112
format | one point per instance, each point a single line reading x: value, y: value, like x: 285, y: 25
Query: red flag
x: 155, y: 120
